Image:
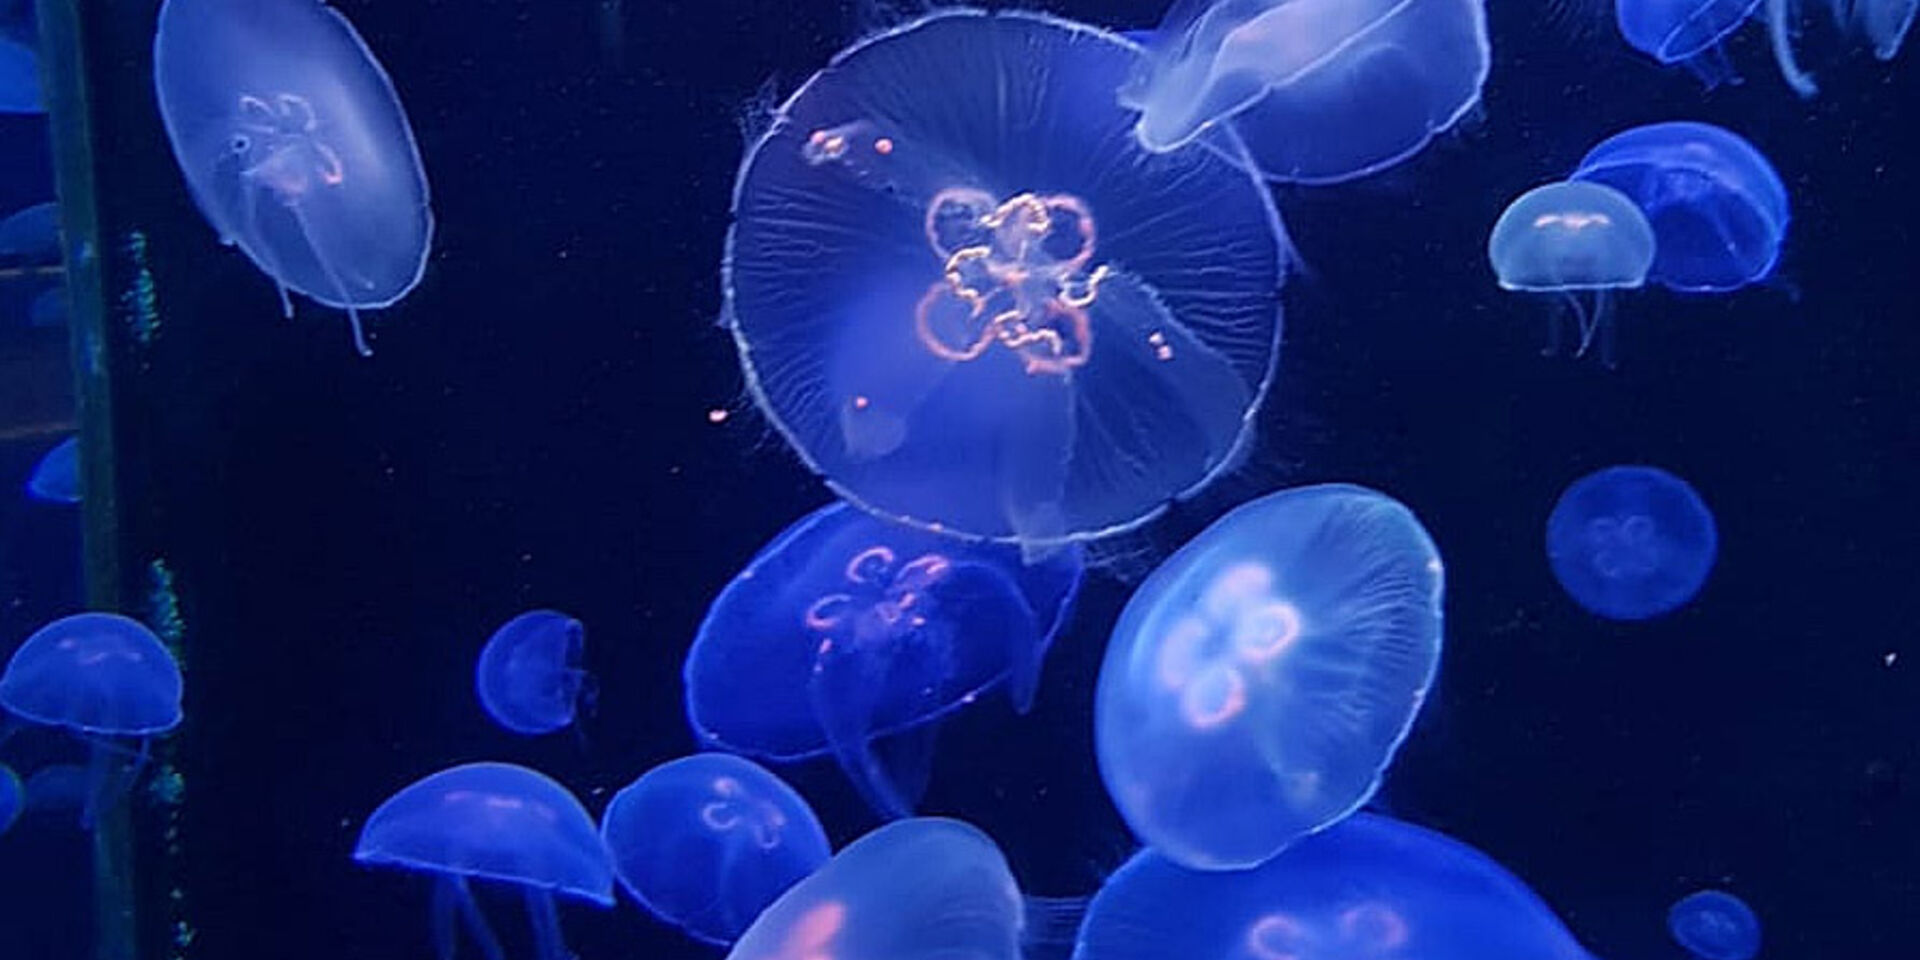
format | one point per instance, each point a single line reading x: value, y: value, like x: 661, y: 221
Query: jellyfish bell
x: 1631, y: 542
x: 528, y: 676
x: 1581, y: 241
x: 1685, y: 32
x: 1715, y: 925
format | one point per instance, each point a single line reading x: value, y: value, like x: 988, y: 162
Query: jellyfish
x: 1715, y: 925
x: 32, y: 232
x: 1368, y: 887
x: 706, y: 842
x: 56, y: 478
x: 19, y: 79
x: 296, y: 148
x: 1259, y: 681
x: 848, y: 628
x: 1717, y: 208
x: 1320, y: 91
x: 103, y: 678
x: 1883, y: 24
x: 968, y: 300
x: 13, y: 797
x: 1581, y: 241
x: 529, y: 677
x: 918, y: 889
x: 1687, y: 32
x: 1629, y: 543
x: 498, y: 823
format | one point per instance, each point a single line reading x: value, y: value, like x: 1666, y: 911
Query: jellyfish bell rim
x: 120, y: 621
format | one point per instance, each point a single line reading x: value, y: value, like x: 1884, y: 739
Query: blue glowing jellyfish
x: 1260, y: 680
x: 296, y: 148
x: 1882, y: 24
x: 19, y: 79
x: 1579, y: 241
x: 13, y: 797
x: 102, y: 677
x: 921, y: 889
x: 529, y: 677
x: 706, y: 842
x: 1367, y: 887
x: 969, y: 301
x: 493, y: 822
x: 1686, y: 32
x: 1713, y: 925
x: 32, y: 232
x: 847, y: 628
x: 1320, y: 91
x: 1717, y: 208
x: 1629, y: 543
x: 56, y: 478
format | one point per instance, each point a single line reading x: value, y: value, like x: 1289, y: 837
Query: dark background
x: 533, y: 430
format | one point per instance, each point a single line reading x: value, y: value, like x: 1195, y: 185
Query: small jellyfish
x: 706, y: 842
x: 970, y: 301
x: 529, y: 677
x: 104, y: 678
x: 1686, y: 32
x: 847, y: 628
x: 13, y: 797
x: 1883, y: 24
x: 1714, y: 925
x: 1717, y: 208
x: 919, y: 889
x: 32, y: 233
x: 1578, y: 240
x: 19, y: 79
x: 1258, y: 683
x: 1320, y: 91
x: 1629, y: 543
x: 296, y: 148
x: 56, y: 478
x: 1367, y: 888
x: 493, y: 822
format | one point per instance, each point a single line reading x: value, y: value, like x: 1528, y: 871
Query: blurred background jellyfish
x: 1320, y: 91
x: 1714, y: 925
x: 1686, y: 32
x: 1368, y: 887
x: 706, y: 842
x: 13, y: 797
x: 919, y: 889
x: 1881, y: 24
x: 528, y: 677
x: 56, y: 478
x: 971, y: 301
x: 1717, y: 207
x: 498, y: 823
x: 1258, y: 683
x: 104, y: 678
x: 847, y: 628
x: 1578, y: 240
x: 1629, y: 543
x: 32, y: 233
x: 296, y: 148
x: 19, y: 79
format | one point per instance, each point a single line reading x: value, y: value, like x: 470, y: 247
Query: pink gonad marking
x: 810, y: 937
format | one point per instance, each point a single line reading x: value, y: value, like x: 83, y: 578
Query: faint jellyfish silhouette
x: 49, y: 308
x: 1685, y: 32
x: 1714, y: 925
x: 1259, y: 681
x: 1580, y: 241
x: 13, y: 797
x: 19, y: 79
x: 918, y: 889
x: 296, y: 148
x: 1717, y: 208
x: 56, y: 478
x: 103, y: 678
x: 1629, y: 543
x: 528, y: 677
x: 493, y: 822
x: 1366, y: 888
x: 32, y: 233
x: 968, y: 300
x: 57, y: 787
x: 847, y: 628
x: 706, y: 842
x: 1320, y: 91
x: 1883, y: 24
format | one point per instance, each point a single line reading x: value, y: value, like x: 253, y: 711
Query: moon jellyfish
x: 1716, y: 206
x: 104, y: 678
x: 706, y: 842
x: 1629, y: 543
x: 296, y: 148
x: 1713, y: 925
x: 56, y: 478
x: 1883, y: 24
x: 920, y: 889
x: 1320, y: 91
x: 1580, y: 241
x: 968, y: 299
x: 32, y: 233
x: 498, y: 823
x: 1367, y: 887
x: 13, y: 797
x: 1687, y: 32
x: 1258, y: 683
x: 528, y: 677
x: 847, y: 628
x: 19, y: 79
